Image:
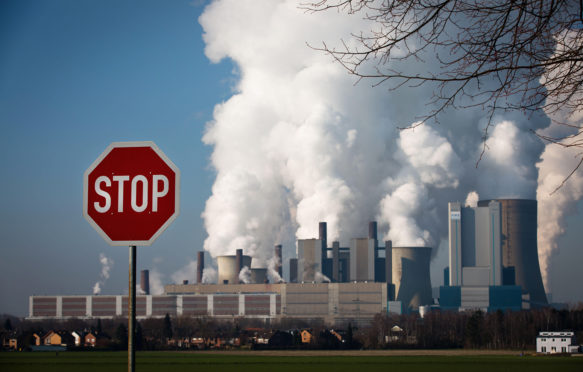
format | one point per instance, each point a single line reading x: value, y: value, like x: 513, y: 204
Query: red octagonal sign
x: 131, y: 193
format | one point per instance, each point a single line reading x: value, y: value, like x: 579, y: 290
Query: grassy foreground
x: 174, y: 361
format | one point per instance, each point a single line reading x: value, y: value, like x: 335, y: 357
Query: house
x: 306, y: 336
x: 78, y: 338
x: 9, y: 341
x: 556, y: 342
x: 90, y: 339
x: 58, y: 338
x: 38, y: 338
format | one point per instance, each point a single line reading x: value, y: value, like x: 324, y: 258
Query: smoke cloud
x: 187, y: 272
x: 272, y: 273
x: 209, y: 275
x: 245, y: 275
x: 106, y: 265
x: 299, y: 142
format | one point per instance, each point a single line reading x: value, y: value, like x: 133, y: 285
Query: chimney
x: 199, y: 266
x: 389, y: 269
x: 372, y: 230
x: 336, y: 262
x: 238, y: 261
x: 324, y: 238
x: 145, y: 281
x: 278, y: 264
x: 293, y: 270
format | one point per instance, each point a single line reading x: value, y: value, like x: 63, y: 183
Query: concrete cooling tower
x: 411, y: 276
x: 258, y: 276
x: 230, y: 266
x: 519, y: 245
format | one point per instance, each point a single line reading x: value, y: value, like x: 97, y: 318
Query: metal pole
x: 132, y: 312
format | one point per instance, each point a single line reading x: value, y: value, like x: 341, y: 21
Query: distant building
x: 476, y: 278
x: 556, y: 342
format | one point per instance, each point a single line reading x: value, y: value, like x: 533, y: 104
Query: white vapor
x: 245, y: 275
x: 106, y: 265
x: 272, y: 273
x: 209, y: 275
x: 187, y: 272
x: 472, y: 199
x: 299, y: 142
x: 156, y: 282
x: 556, y: 165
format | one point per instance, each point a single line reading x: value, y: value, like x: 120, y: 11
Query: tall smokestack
x: 199, y: 266
x: 278, y: 264
x: 336, y: 262
x: 389, y: 269
x: 324, y: 238
x: 372, y: 230
x: 293, y: 270
x: 145, y: 281
x: 238, y: 260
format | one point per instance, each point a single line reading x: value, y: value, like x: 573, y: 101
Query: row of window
x: 554, y: 349
x: 562, y: 340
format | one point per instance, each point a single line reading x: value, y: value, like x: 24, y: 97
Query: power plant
x: 493, y: 264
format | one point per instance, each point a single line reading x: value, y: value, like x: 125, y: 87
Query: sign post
x: 130, y: 196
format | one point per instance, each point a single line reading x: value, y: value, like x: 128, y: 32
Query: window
x: 553, y: 349
x: 563, y: 349
x: 544, y: 349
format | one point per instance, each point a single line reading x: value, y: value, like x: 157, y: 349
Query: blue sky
x: 74, y: 77
x: 78, y: 75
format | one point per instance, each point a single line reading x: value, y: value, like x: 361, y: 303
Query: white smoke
x: 245, y: 275
x: 209, y: 275
x: 472, y: 199
x: 555, y: 197
x: 272, y: 273
x: 106, y: 265
x: 321, y: 278
x: 187, y: 272
x: 156, y: 282
x: 299, y: 142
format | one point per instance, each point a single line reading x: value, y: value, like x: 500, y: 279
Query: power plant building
x: 477, y: 276
x: 309, y: 259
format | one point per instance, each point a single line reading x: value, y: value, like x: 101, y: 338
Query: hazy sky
x: 78, y: 75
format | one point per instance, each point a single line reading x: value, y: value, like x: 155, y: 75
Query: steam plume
x: 106, y: 265
x: 299, y: 143
x: 245, y: 275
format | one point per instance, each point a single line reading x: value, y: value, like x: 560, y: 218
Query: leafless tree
x: 490, y: 53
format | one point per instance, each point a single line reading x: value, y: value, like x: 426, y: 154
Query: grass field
x: 177, y: 361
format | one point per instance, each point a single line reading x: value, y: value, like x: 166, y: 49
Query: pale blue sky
x: 78, y: 75
x: 74, y: 77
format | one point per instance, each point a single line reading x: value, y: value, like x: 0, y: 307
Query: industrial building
x: 488, y: 246
x: 334, y: 303
x: 493, y: 264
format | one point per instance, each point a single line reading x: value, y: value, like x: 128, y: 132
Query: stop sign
x: 131, y: 193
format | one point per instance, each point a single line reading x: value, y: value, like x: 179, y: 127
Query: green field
x: 174, y: 361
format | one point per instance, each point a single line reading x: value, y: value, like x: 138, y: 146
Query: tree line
x: 436, y: 330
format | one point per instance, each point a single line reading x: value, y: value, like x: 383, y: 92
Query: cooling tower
x: 199, y: 266
x: 145, y: 281
x: 411, y: 276
x: 229, y: 268
x: 258, y: 276
x: 519, y: 245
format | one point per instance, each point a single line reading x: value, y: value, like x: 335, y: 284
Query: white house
x: 556, y: 342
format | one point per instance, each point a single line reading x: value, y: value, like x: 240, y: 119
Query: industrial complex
x: 493, y: 264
